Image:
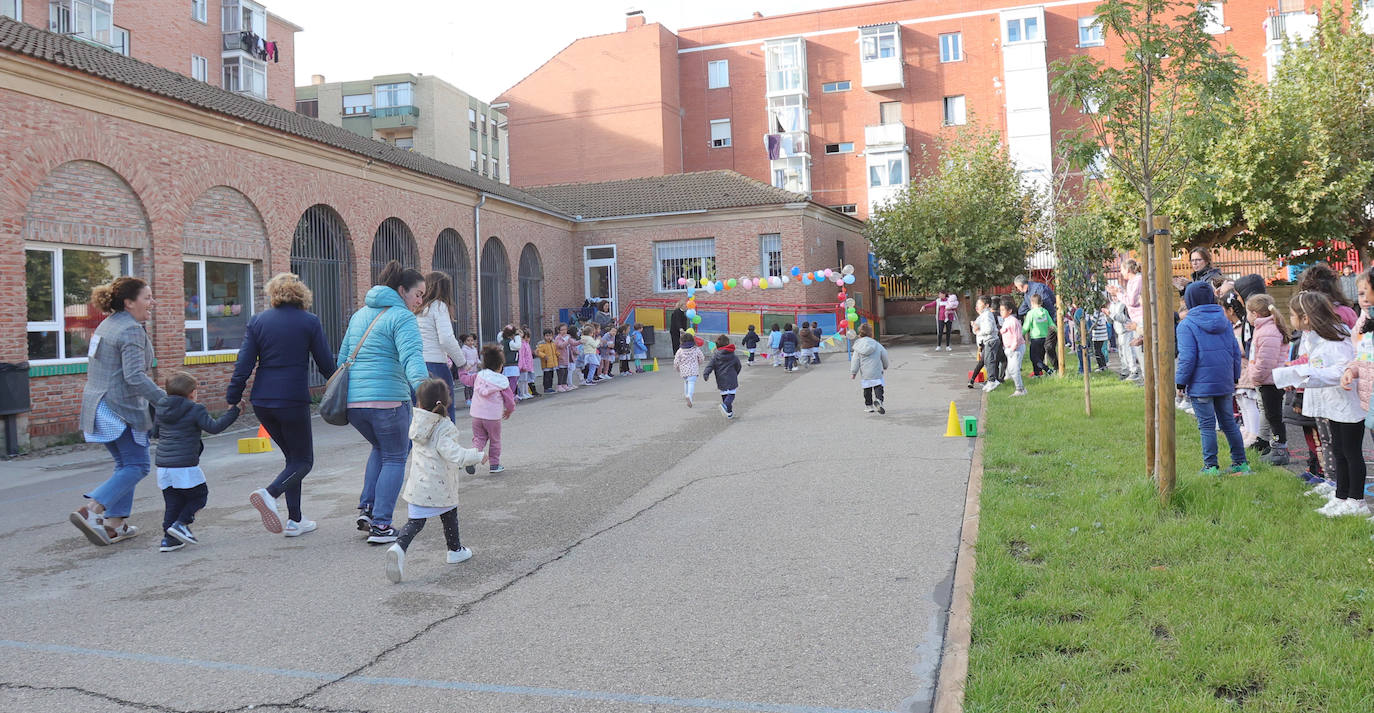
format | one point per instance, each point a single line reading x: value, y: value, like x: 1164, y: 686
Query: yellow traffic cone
x: 655, y: 363
x: 953, y: 430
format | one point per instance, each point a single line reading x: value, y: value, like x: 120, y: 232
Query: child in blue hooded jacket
x: 1208, y: 369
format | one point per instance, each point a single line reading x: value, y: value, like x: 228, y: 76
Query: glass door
x: 599, y: 271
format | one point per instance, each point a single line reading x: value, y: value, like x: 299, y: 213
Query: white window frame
x: 231, y: 17
x: 840, y: 147
x: 885, y: 173
x: 202, y: 322
x: 702, y: 250
x: 1093, y: 29
x: 472, y: 118
x: 410, y: 142
x: 200, y: 68
x: 1214, y: 14
x: 121, y: 42
x: 954, y: 110
x: 396, y: 94
x: 952, y: 47
x: 90, y: 20
x: 770, y: 244
x: 872, y: 46
x: 834, y: 87
x: 1022, y: 23
x: 472, y: 160
x: 846, y: 208
x: 356, y: 109
x: 482, y: 121
x: 720, y: 139
x: 200, y: 11
x: 718, y: 74
x: 58, y: 323
x: 239, y: 61
x: 17, y: 13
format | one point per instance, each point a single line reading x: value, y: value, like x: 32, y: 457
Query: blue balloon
x: 691, y: 313
x: 796, y: 271
x: 720, y: 285
x: 848, y: 279
x: 691, y: 290
x: 806, y: 281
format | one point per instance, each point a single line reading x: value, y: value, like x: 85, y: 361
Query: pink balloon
x: 748, y: 284
x: 681, y: 281
x: 828, y: 272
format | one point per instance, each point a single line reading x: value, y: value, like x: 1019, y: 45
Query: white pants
x: 775, y: 355
x: 1014, y: 358
x: 1126, y: 352
x: 1252, y: 424
x: 689, y: 386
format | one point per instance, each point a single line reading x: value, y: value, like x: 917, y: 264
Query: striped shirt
x: 108, y: 428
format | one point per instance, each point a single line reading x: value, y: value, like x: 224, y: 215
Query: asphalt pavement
x: 636, y: 555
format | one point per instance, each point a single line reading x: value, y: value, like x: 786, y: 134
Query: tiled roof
x: 674, y: 193
x: 30, y: 41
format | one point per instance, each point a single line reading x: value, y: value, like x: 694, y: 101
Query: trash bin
x: 14, y: 400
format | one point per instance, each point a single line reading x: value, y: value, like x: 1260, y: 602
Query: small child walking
x: 180, y: 421
x: 548, y: 359
x: 725, y: 365
x: 751, y: 343
x: 1013, y: 344
x: 493, y: 401
x: 638, y: 347
x: 688, y: 361
x: 870, y: 359
x: 470, y: 354
x: 790, y: 346
x: 775, y: 345
x: 431, y: 485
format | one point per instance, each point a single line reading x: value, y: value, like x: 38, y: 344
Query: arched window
x: 495, y: 273
x: 531, y: 288
x: 320, y: 254
x: 393, y: 241
x: 451, y: 257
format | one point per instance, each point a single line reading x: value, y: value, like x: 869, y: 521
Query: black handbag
x: 334, y: 403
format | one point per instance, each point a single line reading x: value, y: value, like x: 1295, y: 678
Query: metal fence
x: 451, y: 259
x: 393, y: 241
x: 320, y: 256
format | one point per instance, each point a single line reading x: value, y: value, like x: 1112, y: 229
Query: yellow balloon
x: 763, y: 284
x: 705, y: 282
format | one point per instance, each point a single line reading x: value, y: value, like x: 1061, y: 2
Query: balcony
x: 390, y: 117
x: 884, y: 136
x: 785, y: 62
x: 242, y: 42
x: 1295, y: 26
x: 880, y: 54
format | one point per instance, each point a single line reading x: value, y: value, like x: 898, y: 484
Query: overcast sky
x: 481, y: 46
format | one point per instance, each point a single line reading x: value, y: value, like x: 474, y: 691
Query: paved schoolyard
x: 636, y: 555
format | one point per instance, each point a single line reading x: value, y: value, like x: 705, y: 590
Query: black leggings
x: 873, y: 393
x: 548, y: 380
x: 1272, y: 399
x: 944, y: 328
x: 562, y: 376
x: 1347, y: 453
x: 289, y: 427
x: 450, y: 522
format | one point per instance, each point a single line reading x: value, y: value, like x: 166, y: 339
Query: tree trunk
x: 1147, y: 350
x: 1059, y: 335
x: 1087, y: 370
x: 1164, y: 353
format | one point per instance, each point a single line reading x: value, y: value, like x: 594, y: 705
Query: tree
x: 1150, y: 110
x: 1302, y: 164
x: 1081, y: 255
x: 965, y: 223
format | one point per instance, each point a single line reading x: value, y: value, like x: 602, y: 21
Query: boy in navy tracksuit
x: 750, y: 342
x: 179, y: 423
x: 725, y: 365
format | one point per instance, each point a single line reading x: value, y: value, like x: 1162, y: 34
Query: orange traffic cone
x: 262, y: 432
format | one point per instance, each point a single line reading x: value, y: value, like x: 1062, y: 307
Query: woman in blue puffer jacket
x: 389, y: 365
x: 1208, y: 368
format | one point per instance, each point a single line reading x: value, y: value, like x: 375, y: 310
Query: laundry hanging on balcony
x: 773, y: 143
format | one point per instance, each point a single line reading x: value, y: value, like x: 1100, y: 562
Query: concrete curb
x: 953, y: 673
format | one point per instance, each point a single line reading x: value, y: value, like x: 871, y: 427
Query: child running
x: 775, y: 345
x: 688, y: 361
x: 789, y: 345
x: 184, y: 492
x: 725, y: 365
x: 870, y: 359
x: 431, y: 485
x: 493, y: 401
x: 548, y: 359
x: 1013, y: 344
x: 751, y: 343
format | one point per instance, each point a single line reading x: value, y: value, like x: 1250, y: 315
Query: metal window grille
x: 495, y: 289
x: 393, y: 241
x: 451, y: 258
x: 692, y: 259
x: 771, y: 247
x: 320, y: 256
x: 531, y: 289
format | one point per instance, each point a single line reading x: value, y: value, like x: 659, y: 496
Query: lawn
x: 1091, y: 596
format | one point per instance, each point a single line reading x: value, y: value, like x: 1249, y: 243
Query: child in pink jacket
x: 492, y: 403
x: 1268, y: 351
x: 1013, y: 344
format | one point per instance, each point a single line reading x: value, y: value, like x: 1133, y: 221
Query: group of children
x: 1003, y: 341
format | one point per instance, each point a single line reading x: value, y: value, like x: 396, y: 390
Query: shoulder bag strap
x: 354, y: 355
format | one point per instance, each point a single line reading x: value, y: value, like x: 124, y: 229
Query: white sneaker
x: 395, y: 563
x: 1022, y: 392
x: 869, y: 409
x: 456, y: 556
x: 1332, y: 508
x: 1324, y: 489
x: 1357, y: 506
x: 991, y: 385
x: 949, y: 349
x: 266, y: 506
x: 296, y: 529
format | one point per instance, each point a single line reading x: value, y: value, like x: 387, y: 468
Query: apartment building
x: 835, y: 103
x: 418, y: 113
x: 233, y: 44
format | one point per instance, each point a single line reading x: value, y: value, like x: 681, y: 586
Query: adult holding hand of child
x: 279, y: 344
x: 389, y: 364
x: 114, y: 406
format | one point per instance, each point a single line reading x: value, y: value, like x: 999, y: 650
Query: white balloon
x: 848, y: 270
x: 851, y: 334
x: 849, y: 302
x: 785, y: 279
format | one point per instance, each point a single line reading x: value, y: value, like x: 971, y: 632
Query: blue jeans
x: 131, y: 465
x: 388, y: 430
x: 441, y: 372
x: 1210, y: 411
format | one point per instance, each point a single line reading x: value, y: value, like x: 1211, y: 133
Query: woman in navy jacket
x: 1209, y: 367
x: 279, y: 343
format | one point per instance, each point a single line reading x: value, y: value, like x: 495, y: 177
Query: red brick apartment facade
x: 856, y: 92
x: 185, y: 36
x: 114, y: 166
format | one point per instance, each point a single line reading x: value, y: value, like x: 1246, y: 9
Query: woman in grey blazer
x: 114, y: 406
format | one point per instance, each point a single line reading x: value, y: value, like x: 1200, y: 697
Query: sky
x: 482, y: 48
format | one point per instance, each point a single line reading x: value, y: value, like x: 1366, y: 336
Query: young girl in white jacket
x: 1323, y: 354
x: 431, y: 485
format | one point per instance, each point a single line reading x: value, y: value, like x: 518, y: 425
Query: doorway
x: 599, y: 270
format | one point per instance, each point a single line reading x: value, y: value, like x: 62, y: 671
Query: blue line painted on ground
x: 564, y: 693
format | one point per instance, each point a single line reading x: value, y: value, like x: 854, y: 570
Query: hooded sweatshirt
x: 1208, y: 355
x: 725, y: 365
x: 491, y: 394
x: 689, y: 358
x: 179, y: 423
x: 436, y: 456
x: 869, y: 360
x: 391, y: 360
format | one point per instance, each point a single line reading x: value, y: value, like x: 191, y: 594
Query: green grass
x: 1091, y: 596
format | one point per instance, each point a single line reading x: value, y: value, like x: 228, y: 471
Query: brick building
x: 116, y: 166
x: 214, y: 41
x: 834, y: 103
